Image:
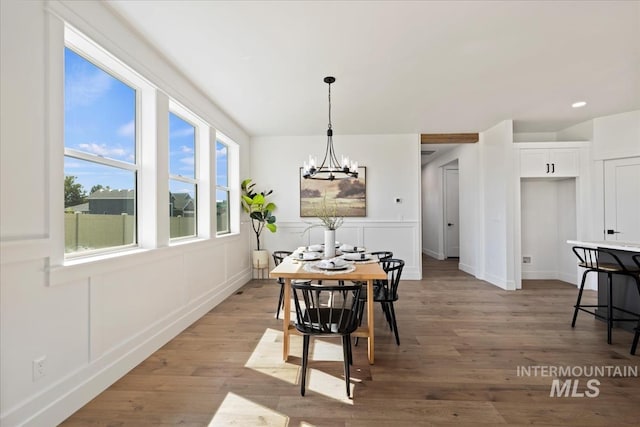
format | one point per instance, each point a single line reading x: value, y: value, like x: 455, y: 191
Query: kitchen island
x: 626, y: 294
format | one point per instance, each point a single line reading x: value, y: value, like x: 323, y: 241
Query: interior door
x: 451, y: 214
x: 622, y: 199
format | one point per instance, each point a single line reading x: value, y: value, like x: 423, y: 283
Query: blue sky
x: 100, y: 119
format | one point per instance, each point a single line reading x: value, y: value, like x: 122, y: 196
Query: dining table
x: 294, y: 269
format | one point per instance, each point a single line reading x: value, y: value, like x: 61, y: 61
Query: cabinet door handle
x: 553, y: 168
x: 547, y: 167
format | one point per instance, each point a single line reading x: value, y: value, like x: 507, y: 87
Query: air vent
x: 428, y: 152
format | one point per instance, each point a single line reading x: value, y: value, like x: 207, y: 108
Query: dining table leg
x: 286, y: 319
x: 370, y: 305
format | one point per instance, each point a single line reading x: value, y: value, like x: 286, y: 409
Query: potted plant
x: 261, y: 213
x: 330, y: 221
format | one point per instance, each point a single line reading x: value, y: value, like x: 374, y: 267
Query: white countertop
x: 611, y: 244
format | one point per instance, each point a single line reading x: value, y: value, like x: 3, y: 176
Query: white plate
x: 358, y: 250
x: 359, y: 256
x: 339, y: 267
x: 315, y: 256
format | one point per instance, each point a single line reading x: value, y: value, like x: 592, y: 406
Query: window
x: 222, y: 188
x: 101, y: 163
x: 183, y: 186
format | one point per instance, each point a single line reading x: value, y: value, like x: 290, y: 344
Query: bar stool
x: 634, y: 345
x: 590, y: 259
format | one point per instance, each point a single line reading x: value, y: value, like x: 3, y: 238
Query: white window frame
x: 102, y: 59
x: 202, y: 171
x: 232, y: 189
x: 198, y: 124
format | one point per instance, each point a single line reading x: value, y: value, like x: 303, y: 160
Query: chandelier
x: 330, y: 168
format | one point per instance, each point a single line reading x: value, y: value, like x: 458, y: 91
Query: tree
x: 98, y: 187
x: 74, y: 193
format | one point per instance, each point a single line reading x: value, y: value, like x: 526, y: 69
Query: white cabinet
x: 549, y: 162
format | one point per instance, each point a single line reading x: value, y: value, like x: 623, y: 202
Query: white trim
x: 54, y: 404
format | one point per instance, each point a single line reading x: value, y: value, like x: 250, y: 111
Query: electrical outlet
x: 39, y: 368
x: 526, y: 260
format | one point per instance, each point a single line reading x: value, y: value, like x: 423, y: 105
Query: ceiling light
x: 579, y: 104
x: 330, y: 168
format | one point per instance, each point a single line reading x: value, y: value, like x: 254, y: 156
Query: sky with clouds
x: 100, y: 119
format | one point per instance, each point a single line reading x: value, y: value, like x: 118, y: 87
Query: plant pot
x: 329, y: 243
x: 260, y: 258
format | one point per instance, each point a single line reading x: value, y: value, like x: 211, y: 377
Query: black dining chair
x: 278, y: 256
x: 386, y: 293
x: 381, y: 255
x: 323, y: 310
x: 636, y: 337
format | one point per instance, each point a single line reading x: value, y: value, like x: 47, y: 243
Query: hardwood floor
x: 462, y: 342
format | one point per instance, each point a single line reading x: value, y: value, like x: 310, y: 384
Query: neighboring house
x: 111, y: 202
x: 181, y: 204
x: 82, y: 208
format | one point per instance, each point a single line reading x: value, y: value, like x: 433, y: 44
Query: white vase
x: 329, y: 243
x: 260, y: 258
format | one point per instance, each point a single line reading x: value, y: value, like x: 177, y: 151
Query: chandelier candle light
x: 330, y: 168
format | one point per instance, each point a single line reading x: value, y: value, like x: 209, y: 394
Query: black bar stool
x: 591, y: 260
x: 634, y: 345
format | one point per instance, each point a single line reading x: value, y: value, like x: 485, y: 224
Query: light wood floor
x: 462, y: 341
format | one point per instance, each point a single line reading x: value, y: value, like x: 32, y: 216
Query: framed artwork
x: 350, y: 195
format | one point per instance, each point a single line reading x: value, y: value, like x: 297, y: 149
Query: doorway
x: 622, y: 199
x: 451, y: 223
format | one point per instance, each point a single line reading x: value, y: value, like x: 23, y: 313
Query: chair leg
x: 385, y: 309
x: 636, y: 337
x: 346, y: 341
x: 577, y: 306
x: 280, y: 300
x: 609, y: 307
x: 634, y: 344
x: 360, y: 315
x: 395, y: 325
x: 305, y: 358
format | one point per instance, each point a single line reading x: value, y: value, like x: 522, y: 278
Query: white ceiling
x: 401, y: 67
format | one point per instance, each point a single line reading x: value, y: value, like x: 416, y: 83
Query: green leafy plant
x: 328, y: 216
x: 259, y: 209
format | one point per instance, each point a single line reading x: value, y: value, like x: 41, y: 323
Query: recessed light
x: 579, y: 104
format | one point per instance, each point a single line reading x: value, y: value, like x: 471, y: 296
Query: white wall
x: 497, y: 205
x: 548, y: 221
x: 432, y: 205
x: 93, y: 321
x: 616, y: 136
x: 393, y: 171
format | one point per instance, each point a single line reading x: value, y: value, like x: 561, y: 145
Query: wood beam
x: 448, y: 138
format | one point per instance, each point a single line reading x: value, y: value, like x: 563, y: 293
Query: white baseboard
x: 540, y: 275
x: 469, y: 269
x: 433, y: 254
x: 495, y: 280
x: 63, y: 398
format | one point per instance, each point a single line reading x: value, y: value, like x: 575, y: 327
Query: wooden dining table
x: 290, y: 269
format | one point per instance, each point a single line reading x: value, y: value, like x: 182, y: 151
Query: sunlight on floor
x: 267, y: 359
x: 236, y: 410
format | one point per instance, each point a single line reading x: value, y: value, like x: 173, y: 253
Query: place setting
x: 337, y: 265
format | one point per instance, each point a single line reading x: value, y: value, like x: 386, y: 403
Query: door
x: 451, y: 214
x: 622, y: 199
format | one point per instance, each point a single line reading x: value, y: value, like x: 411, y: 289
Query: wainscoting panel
x: 402, y: 238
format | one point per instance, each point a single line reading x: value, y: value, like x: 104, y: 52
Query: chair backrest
x: 382, y: 254
x: 592, y: 258
x: 393, y: 267
x: 278, y: 256
x: 326, y: 310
